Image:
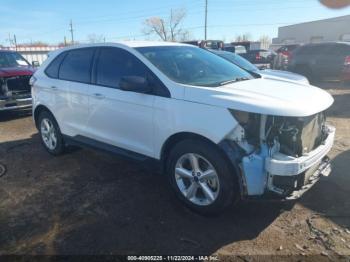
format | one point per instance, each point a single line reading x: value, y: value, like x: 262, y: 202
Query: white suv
x: 220, y: 133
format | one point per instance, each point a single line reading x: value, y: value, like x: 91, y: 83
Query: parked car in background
x: 238, y: 49
x: 322, y: 61
x: 219, y: 133
x: 287, y: 50
x: 283, y: 53
x: 266, y: 73
x: 261, y: 58
x: 207, y: 44
x: 15, y: 72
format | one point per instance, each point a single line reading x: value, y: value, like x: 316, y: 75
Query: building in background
x: 33, y: 53
x: 326, y: 30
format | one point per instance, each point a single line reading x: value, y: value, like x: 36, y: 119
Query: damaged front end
x: 283, y: 156
x: 15, y: 92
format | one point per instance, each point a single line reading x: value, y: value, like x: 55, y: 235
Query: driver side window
x: 114, y: 63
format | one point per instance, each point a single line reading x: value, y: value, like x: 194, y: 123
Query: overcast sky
x: 48, y: 20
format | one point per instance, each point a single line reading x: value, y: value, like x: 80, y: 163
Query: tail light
x: 290, y: 57
x: 347, y: 61
x: 257, y: 57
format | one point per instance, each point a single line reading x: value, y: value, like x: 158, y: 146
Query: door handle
x: 54, y: 87
x: 99, y: 96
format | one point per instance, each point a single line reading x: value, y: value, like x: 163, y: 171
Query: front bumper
x: 283, y: 165
x: 291, y: 177
x: 12, y: 103
x: 324, y: 169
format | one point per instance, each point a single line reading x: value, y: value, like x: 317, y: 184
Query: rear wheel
x: 50, y: 134
x: 201, y: 177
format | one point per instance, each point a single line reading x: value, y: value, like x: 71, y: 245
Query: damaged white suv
x: 219, y: 132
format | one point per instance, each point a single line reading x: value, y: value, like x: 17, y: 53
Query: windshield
x: 238, y: 60
x: 12, y: 59
x: 193, y: 66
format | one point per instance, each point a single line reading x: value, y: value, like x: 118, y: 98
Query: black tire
x: 228, y: 192
x: 59, y: 147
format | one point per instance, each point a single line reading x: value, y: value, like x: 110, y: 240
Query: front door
x: 116, y: 117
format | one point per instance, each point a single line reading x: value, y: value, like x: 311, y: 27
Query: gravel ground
x: 88, y: 202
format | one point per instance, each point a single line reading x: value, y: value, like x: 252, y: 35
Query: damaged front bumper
x: 15, y: 102
x: 269, y: 174
x: 291, y: 177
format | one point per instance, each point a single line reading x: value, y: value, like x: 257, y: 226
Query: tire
x: 48, y: 130
x: 222, y: 182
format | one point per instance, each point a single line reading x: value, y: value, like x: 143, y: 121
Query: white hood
x: 264, y: 96
x: 283, y: 75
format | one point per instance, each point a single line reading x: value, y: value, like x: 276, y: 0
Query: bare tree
x: 243, y: 38
x: 93, y: 38
x: 167, y: 29
x: 265, y: 41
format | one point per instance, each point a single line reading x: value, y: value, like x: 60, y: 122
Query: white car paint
x: 283, y: 75
x: 264, y: 96
x: 142, y: 123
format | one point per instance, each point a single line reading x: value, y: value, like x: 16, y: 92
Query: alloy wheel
x: 48, y: 133
x: 197, y: 179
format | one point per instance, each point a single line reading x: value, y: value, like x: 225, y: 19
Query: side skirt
x: 85, y: 142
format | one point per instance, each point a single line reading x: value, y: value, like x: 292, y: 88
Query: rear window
x: 312, y: 49
x: 76, y: 66
x: 54, y: 66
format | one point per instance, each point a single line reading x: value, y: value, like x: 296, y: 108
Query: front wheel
x: 201, y: 177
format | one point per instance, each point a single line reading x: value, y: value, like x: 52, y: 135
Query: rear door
x: 333, y: 60
x: 72, y: 91
x: 322, y: 64
x: 120, y: 118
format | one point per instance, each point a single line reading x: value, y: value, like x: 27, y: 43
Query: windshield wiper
x: 234, y: 80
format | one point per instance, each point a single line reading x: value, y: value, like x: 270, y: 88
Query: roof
x: 132, y: 44
x: 149, y: 43
x: 344, y: 18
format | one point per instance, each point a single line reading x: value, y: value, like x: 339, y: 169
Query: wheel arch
x: 38, y: 109
x: 178, y: 137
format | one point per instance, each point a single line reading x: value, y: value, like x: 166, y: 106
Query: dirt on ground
x: 88, y: 202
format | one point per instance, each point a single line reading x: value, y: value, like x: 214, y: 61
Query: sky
x: 48, y: 20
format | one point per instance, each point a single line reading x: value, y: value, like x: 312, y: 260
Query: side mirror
x: 135, y: 84
x: 35, y: 64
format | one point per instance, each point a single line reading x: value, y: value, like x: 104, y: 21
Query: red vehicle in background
x: 287, y: 50
x: 345, y: 77
x: 15, y: 72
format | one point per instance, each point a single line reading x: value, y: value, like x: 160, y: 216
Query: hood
x: 268, y: 73
x: 16, y: 71
x: 264, y: 96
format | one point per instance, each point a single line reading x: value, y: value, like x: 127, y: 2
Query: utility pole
x: 65, y: 41
x: 71, y: 31
x: 15, y: 41
x: 205, y: 21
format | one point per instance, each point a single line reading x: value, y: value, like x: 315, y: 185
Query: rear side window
x: 54, y: 66
x: 340, y: 50
x: 114, y: 63
x: 76, y: 66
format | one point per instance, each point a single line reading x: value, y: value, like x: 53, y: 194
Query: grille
x: 15, y: 85
x: 299, y: 135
